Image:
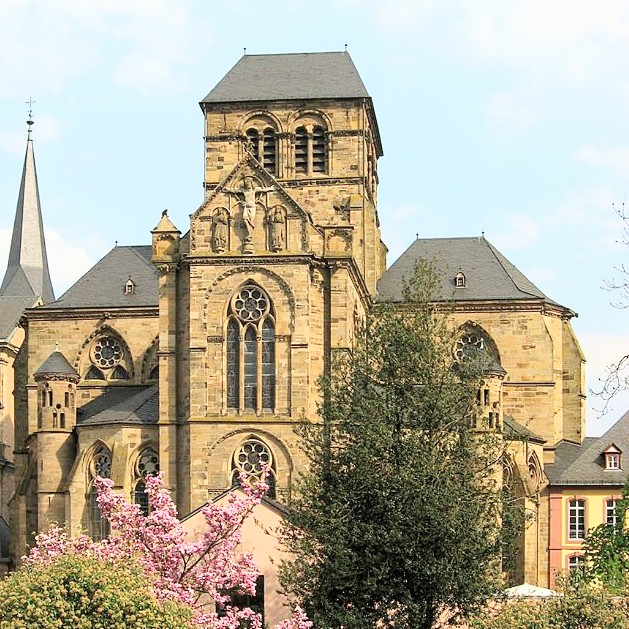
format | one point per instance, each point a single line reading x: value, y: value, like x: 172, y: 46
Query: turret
x: 56, y: 394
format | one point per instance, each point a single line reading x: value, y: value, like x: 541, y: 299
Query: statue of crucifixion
x: 249, y: 194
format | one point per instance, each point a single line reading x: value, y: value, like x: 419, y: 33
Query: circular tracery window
x: 102, y: 464
x: 252, y: 457
x: 250, y: 303
x: 148, y: 463
x: 469, y: 345
x: 107, y: 352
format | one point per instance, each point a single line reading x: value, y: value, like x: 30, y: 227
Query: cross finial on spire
x: 30, y: 122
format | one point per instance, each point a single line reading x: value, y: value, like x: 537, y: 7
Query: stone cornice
x: 509, y: 305
x: 305, y: 182
x: 39, y: 314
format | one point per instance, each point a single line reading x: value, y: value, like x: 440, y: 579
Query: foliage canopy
x: 399, y: 514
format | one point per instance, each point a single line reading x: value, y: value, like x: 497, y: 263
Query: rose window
x: 252, y: 457
x: 469, y: 345
x: 102, y: 464
x: 148, y: 463
x: 250, y: 304
x: 107, y: 352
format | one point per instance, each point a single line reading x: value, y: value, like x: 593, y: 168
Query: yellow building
x: 196, y: 354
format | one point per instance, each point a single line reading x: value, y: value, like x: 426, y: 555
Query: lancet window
x: 146, y: 465
x: 100, y: 465
x: 250, y: 351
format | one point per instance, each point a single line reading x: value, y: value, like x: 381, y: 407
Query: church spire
x: 27, y: 271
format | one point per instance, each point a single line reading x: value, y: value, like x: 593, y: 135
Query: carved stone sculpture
x: 277, y: 224
x: 220, y: 224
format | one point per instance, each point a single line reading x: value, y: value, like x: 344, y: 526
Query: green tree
x: 83, y: 592
x: 399, y: 515
x: 606, y: 550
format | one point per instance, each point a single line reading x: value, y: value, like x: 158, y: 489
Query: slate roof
x: 489, y: 275
x: 122, y: 405
x: 56, y: 363
x: 292, y: 76
x: 11, y: 309
x: 27, y: 272
x: 103, y: 285
x: 515, y: 431
x: 584, y: 464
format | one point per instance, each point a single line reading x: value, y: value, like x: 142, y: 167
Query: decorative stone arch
x: 474, y: 328
x: 276, y: 288
x: 150, y: 362
x: 284, y: 461
x: 316, y: 116
x: 258, y: 118
x: 535, y: 473
x: 165, y: 245
x: 339, y: 241
x: 88, y: 457
x: 83, y: 359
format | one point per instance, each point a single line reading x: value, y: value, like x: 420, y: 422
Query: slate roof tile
x: 122, y: 405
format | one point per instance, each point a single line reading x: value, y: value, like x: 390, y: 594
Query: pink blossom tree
x: 197, y: 571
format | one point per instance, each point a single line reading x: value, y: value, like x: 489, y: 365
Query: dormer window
x: 612, y: 458
x: 459, y: 280
x: 129, y: 287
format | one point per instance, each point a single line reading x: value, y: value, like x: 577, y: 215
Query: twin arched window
x: 250, y: 351
x: 264, y: 147
x: 310, y: 150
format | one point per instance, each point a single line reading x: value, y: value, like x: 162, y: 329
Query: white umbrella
x: 526, y: 589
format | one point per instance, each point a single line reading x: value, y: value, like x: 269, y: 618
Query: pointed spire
x: 27, y: 271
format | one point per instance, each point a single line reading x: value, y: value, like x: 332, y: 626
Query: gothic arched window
x: 301, y: 150
x: 146, y: 465
x: 250, y: 351
x: 99, y: 466
x: 269, y: 150
x: 251, y: 459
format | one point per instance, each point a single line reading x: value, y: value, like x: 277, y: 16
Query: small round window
x: 107, y: 352
x: 252, y: 457
x: 250, y: 304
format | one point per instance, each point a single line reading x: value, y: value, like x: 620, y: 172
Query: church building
x: 196, y: 353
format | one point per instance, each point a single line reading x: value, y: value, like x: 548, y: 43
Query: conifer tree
x: 399, y: 515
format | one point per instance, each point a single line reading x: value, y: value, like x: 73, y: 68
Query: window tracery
x: 146, y: 465
x: 311, y: 154
x: 108, y: 358
x: 251, y: 459
x: 100, y: 465
x: 250, y: 351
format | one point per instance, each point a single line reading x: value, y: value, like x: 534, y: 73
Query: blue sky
x: 508, y: 118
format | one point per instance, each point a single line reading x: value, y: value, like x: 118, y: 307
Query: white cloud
x: 512, y: 110
x: 521, y: 232
x: 44, y: 45
x: 67, y: 262
x: 616, y: 158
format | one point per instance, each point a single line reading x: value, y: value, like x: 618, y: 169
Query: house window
x: 255, y: 602
x: 129, y: 287
x: 252, y: 458
x: 576, y: 519
x: 612, y: 460
x: 459, y: 280
x: 250, y: 350
x: 610, y: 511
x: 575, y: 562
x: 311, y: 154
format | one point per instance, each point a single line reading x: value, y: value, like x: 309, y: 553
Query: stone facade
x: 239, y: 319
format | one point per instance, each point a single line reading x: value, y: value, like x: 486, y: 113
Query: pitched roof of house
x: 292, y: 76
x: 585, y: 464
x: 122, y: 405
x: 103, y: 286
x: 488, y: 274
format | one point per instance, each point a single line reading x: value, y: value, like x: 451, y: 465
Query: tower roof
x: 56, y: 365
x: 27, y: 272
x: 290, y: 77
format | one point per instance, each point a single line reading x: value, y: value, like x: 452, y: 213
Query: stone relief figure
x: 249, y: 195
x: 277, y: 225
x: 220, y: 224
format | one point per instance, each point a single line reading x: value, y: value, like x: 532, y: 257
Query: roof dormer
x: 612, y: 457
